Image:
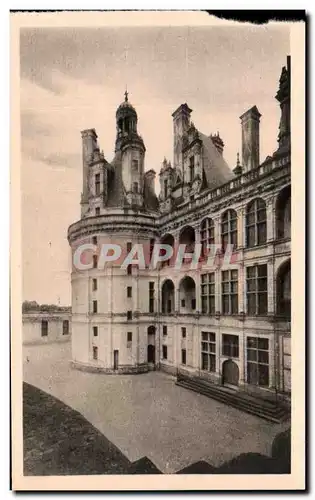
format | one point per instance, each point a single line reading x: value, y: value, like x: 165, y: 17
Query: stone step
x: 235, y: 394
x: 263, y: 409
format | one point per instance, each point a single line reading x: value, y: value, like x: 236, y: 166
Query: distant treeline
x: 32, y: 305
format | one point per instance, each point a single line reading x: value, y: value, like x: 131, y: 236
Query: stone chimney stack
x: 149, y: 177
x: 283, y: 97
x: 250, y: 138
x: 217, y: 141
x: 89, y: 144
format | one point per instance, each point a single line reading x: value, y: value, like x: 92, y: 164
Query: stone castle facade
x: 229, y: 323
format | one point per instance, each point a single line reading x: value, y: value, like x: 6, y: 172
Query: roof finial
x: 238, y: 159
x: 126, y: 95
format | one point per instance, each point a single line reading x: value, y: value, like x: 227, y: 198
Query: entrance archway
x: 151, y: 344
x: 230, y: 373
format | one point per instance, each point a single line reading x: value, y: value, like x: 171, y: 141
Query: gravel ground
x: 148, y: 415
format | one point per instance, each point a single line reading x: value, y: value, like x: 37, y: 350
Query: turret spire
x: 126, y: 95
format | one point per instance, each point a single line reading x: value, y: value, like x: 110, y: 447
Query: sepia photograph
x: 152, y: 182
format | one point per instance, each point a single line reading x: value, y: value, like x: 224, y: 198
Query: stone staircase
x: 268, y: 410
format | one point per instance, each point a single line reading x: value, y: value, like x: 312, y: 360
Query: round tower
x: 111, y: 278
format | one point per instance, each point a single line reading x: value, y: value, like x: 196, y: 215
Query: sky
x: 74, y: 79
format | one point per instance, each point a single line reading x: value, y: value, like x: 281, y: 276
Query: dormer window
x: 97, y: 184
x: 191, y: 168
x: 165, y: 188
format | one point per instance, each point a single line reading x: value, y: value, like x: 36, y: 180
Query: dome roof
x: 125, y: 108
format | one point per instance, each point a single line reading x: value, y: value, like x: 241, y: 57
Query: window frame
x: 229, y: 297
x: 257, y: 363
x: 207, y: 235
x: 230, y: 234
x: 255, y: 294
x: 207, y: 293
x: 253, y: 223
x: 230, y: 349
x: 208, y: 352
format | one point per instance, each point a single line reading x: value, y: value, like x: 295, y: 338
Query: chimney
x: 149, y: 179
x: 181, y: 123
x: 217, y: 141
x: 250, y: 138
x: 89, y: 144
x: 283, y: 97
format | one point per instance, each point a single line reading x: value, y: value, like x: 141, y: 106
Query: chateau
x: 228, y: 324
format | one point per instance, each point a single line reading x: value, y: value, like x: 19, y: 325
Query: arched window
x: 256, y: 223
x: 206, y: 235
x: 187, y: 238
x: 167, y: 239
x: 229, y: 229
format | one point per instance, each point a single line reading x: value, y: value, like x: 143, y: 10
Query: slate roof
x: 216, y: 170
x: 116, y: 193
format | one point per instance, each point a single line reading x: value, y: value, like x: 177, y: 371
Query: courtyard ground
x: 148, y: 415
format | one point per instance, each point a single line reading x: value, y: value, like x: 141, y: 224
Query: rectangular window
x: 94, y: 284
x: 135, y: 187
x: 129, y: 315
x: 94, y: 261
x: 208, y: 352
x: 257, y: 290
x: 164, y: 330
x: 129, y: 336
x: 94, y: 306
x: 94, y: 240
x: 165, y: 189
x: 191, y: 168
x: 95, y: 352
x: 258, y: 361
x: 193, y: 304
x: 97, y: 211
x: 183, y: 356
x: 97, y: 184
x: 129, y: 291
x: 151, y: 296
x: 208, y: 293
x: 164, y: 351
x: 135, y: 165
x: 183, y: 302
x: 44, y: 329
x: 230, y: 346
x: 65, y: 327
x: 129, y: 246
x: 183, y: 332
x: 129, y: 269
x: 95, y: 331
x: 229, y: 283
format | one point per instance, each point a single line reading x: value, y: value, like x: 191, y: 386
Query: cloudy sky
x: 73, y: 79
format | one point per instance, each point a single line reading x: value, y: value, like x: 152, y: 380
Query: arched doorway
x: 187, y: 237
x: 230, y: 373
x: 151, y: 354
x: 151, y: 344
x: 168, y: 297
x: 187, y: 295
x: 168, y: 239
